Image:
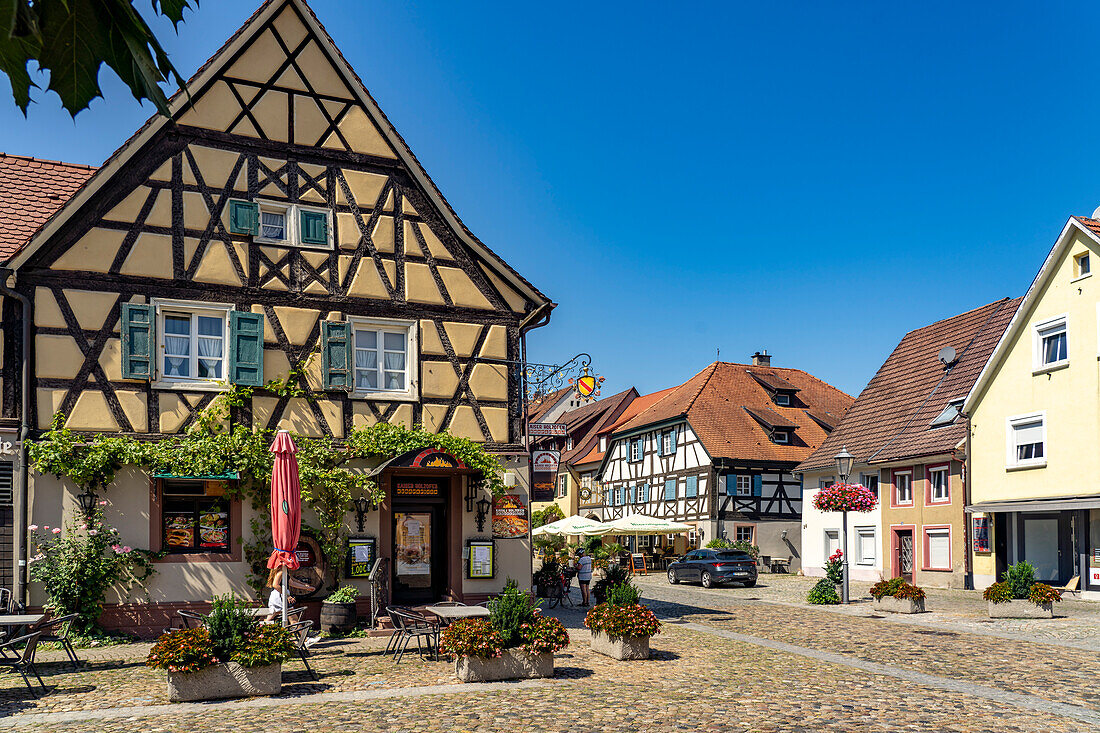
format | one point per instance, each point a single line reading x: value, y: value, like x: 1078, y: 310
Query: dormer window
x: 782, y: 399
x: 603, y: 444
x: 782, y: 437
x: 952, y: 411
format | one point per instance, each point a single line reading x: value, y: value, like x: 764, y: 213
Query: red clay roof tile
x: 31, y: 190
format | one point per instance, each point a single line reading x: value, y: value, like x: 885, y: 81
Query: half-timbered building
x: 718, y: 452
x: 276, y: 232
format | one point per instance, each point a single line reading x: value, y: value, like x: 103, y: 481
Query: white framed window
x: 745, y: 533
x: 645, y: 540
x: 586, y: 480
x: 192, y: 342
x: 603, y: 444
x: 1027, y: 437
x: 1051, y: 344
x: 385, y: 358
x: 636, y: 446
x: 869, y: 481
x: 693, y: 538
x: 782, y: 399
x: 939, y: 491
x: 642, y: 493
x: 569, y: 442
x: 1081, y: 265
x: 297, y: 225
x: 937, y: 548
x: 903, y: 488
x: 866, y: 546
x: 744, y: 485
x: 563, y: 485
x: 832, y: 541
x: 783, y: 437
x: 666, y: 442
x: 825, y: 482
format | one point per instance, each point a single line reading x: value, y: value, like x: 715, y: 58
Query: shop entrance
x: 903, y: 554
x: 420, y: 540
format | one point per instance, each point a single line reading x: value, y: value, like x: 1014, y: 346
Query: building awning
x: 1057, y: 504
x: 211, y: 477
x: 369, y: 471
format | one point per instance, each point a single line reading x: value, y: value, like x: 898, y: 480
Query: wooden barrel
x: 338, y: 617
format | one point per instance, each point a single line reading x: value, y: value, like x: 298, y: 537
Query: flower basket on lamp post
x: 844, y: 497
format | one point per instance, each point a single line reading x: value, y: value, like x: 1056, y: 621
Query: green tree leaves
x: 71, y: 39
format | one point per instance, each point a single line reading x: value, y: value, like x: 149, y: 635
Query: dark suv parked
x: 714, y: 567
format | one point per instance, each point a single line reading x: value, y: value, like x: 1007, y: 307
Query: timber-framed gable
x: 276, y: 119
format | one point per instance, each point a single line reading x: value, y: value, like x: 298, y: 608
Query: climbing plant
x: 214, y: 446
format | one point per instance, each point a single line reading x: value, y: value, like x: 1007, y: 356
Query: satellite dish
x: 1095, y: 213
x: 946, y: 356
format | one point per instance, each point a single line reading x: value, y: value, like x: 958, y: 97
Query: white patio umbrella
x: 643, y: 524
x: 574, y: 525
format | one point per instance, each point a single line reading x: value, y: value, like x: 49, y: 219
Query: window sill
x: 191, y: 386
x: 937, y: 570
x: 1026, y: 466
x: 1079, y: 278
x: 1050, y: 368
x: 944, y: 502
x: 384, y: 396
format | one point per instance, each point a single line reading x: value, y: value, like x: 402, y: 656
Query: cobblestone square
x: 728, y: 659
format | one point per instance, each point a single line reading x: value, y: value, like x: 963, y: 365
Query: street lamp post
x: 844, y: 461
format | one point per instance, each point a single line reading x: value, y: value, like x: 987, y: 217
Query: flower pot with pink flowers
x: 621, y: 626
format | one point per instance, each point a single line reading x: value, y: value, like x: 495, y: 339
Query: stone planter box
x: 1020, y: 608
x: 512, y: 665
x: 225, y: 680
x: 631, y: 647
x: 890, y: 604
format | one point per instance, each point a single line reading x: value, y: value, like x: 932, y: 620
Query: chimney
x: 762, y: 358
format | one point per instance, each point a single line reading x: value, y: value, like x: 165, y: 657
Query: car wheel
x: 672, y: 577
x: 708, y: 582
x: 750, y: 584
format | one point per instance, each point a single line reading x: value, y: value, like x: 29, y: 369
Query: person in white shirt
x: 275, y: 598
x: 584, y: 574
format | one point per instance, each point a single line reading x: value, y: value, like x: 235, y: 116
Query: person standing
x: 584, y: 574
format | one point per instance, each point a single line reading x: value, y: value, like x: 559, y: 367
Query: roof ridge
x: 691, y: 403
x: 47, y: 160
x: 1001, y: 301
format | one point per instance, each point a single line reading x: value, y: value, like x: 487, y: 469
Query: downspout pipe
x: 24, y: 430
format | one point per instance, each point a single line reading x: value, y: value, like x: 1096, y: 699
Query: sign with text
x: 404, y: 487
x: 361, y: 552
x: 546, y: 429
x: 981, y: 535
x: 480, y: 563
x: 545, y: 461
x: 510, y: 519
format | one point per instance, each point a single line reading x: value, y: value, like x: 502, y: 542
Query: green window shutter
x: 137, y: 341
x: 336, y: 355
x: 244, y: 217
x: 246, y: 348
x: 313, y: 227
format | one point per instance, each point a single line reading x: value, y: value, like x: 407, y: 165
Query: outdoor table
x: 449, y: 614
x: 670, y: 560
x: 21, y: 619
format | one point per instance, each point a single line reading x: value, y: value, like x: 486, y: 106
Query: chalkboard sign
x: 361, y: 556
x: 637, y: 563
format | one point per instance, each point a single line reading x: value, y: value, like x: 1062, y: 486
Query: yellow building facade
x: 1035, y: 423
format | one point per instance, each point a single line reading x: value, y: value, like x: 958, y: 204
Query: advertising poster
x: 981, y: 535
x: 412, y: 544
x: 214, y: 529
x: 179, y: 531
x: 509, y: 517
x: 542, y: 487
x: 360, y: 556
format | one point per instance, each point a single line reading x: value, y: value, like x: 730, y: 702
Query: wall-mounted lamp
x: 483, y: 505
x: 87, y: 501
x: 362, y: 506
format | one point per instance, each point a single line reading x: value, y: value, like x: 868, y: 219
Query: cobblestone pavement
x: 719, y: 675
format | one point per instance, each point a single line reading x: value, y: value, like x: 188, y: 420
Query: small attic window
x: 952, y: 411
x: 782, y: 437
x: 1081, y: 265
x: 782, y: 399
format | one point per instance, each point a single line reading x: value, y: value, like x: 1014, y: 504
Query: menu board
x: 981, y: 535
x: 481, y: 559
x: 509, y: 517
x: 214, y: 529
x: 179, y: 531
x: 360, y: 556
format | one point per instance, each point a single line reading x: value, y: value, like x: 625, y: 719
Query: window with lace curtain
x: 385, y: 358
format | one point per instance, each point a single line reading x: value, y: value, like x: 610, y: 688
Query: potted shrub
x: 897, y: 596
x: 824, y: 593
x: 613, y: 575
x: 1019, y: 596
x: 232, y: 655
x: 515, y: 642
x: 621, y: 627
x: 338, y: 610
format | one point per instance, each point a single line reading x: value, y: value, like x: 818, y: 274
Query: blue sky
x: 809, y: 178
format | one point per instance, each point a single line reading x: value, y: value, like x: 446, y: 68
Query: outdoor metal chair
x: 24, y: 661
x: 58, y: 630
x: 414, y: 626
x: 294, y: 615
x: 396, y: 635
x: 191, y: 620
x: 449, y: 603
x: 301, y: 633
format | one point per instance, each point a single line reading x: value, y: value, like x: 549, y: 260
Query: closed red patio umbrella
x: 286, y: 508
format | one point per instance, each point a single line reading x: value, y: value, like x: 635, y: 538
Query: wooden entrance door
x: 903, y: 554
